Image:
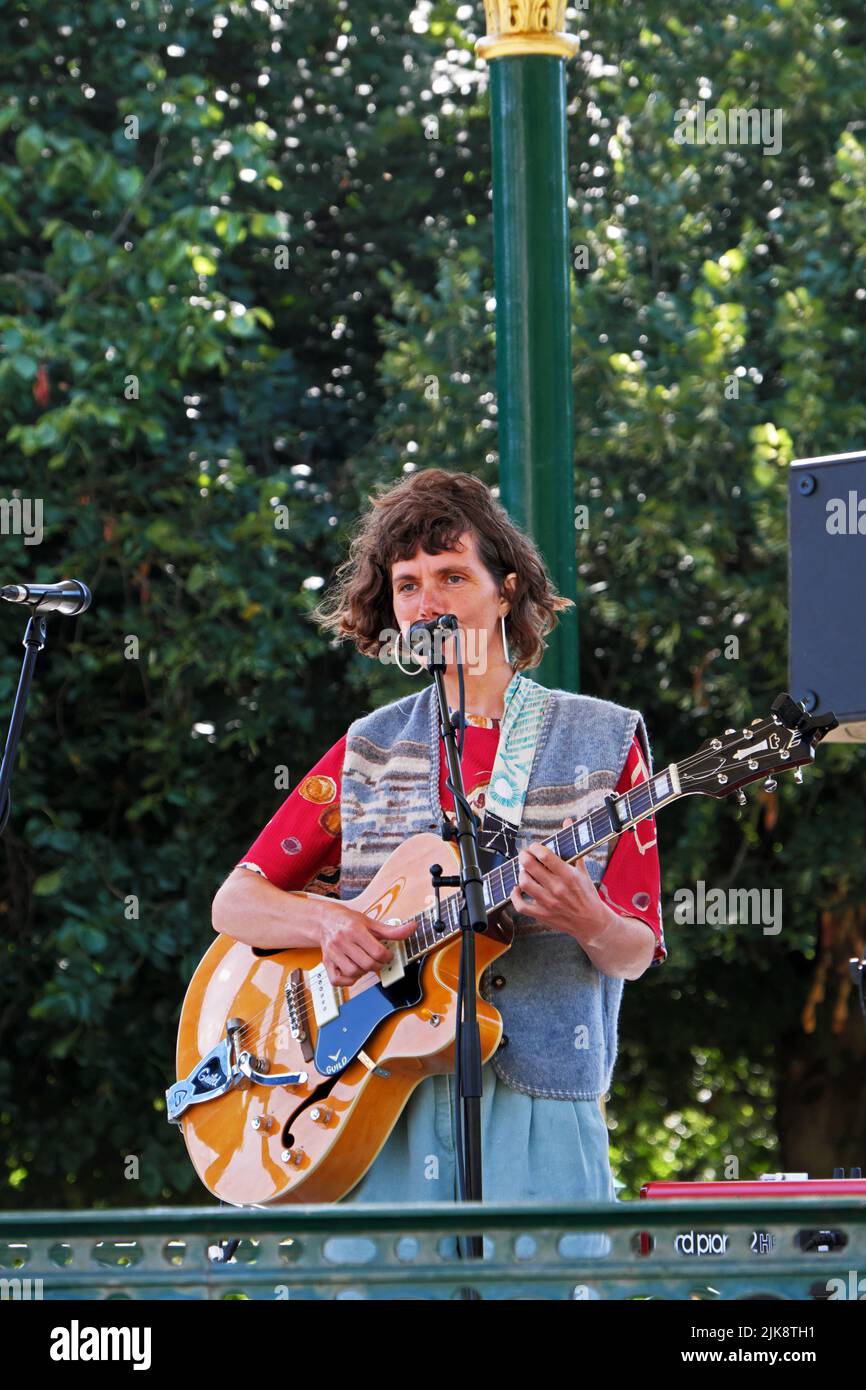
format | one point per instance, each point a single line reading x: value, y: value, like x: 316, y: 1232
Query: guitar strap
x: 525, y: 703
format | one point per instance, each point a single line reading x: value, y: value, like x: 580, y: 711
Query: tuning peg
x: 756, y: 721
x: 770, y: 784
x: 741, y: 797
x: 798, y: 776
x: 730, y: 731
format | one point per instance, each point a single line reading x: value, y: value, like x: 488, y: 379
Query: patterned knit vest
x: 559, y: 1013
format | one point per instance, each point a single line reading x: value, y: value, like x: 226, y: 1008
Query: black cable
x: 458, y: 1127
x: 462, y: 700
x: 461, y: 722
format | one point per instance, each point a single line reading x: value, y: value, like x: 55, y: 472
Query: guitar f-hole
x: 316, y: 1098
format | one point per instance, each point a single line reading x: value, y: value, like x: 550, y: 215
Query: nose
x: 427, y: 609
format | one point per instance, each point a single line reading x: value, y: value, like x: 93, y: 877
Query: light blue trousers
x: 547, y: 1150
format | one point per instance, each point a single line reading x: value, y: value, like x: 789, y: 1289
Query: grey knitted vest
x: 559, y: 1012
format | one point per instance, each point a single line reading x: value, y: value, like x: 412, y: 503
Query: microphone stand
x: 473, y: 917
x: 33, y: 641
x: 71, y: 597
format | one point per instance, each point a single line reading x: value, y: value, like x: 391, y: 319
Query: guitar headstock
x: 784, y: 741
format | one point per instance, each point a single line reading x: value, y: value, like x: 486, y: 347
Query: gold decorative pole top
x: 525, y: 26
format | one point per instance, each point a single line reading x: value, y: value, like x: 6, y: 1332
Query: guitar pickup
x: 326, y: 1005
x: 395, y: 968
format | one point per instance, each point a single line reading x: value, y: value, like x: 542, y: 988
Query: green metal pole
x: 533, y: 319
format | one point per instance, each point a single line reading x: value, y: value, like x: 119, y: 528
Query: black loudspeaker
x: 827, y: 589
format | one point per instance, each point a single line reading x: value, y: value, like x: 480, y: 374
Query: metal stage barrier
x: 802, y: 1248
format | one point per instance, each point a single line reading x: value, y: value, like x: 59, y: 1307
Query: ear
x: 509, y: 584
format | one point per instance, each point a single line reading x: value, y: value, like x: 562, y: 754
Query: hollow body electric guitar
x: 289, y: 1086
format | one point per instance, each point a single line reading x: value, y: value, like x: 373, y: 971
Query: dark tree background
x: 245, y: 274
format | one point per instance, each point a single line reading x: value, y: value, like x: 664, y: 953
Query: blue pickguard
x: 339, y: 1041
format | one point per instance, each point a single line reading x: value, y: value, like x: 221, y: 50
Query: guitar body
x: 259, y: 1144
x: 288, y: 1089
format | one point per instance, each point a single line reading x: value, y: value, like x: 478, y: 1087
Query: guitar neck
x: 572, y: 842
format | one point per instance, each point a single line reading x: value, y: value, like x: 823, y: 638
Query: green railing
x: 756, y: 1248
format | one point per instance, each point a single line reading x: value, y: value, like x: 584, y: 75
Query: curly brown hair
x: 432, y: 508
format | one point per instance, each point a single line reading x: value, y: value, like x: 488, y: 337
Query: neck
x: 485, y: 692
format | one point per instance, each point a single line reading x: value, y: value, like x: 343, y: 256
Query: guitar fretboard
x: 569, y: 843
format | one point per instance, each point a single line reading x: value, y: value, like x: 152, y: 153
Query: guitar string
x: 304, y: 1013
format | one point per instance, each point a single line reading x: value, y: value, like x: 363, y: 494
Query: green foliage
x: 246, y: 273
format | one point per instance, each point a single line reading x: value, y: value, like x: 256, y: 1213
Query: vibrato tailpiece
x: 224, y: 1067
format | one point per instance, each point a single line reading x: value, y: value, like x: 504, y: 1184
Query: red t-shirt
x: 299, y: 848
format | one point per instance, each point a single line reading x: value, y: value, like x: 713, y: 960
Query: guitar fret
x: 453, y: 913
x: 571, y: 842
x: 508, y: 878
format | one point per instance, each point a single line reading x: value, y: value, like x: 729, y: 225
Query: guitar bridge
x: 295, y: 1004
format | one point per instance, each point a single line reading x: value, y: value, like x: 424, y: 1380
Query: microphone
x: 447, y: 620
x: 69, y: 597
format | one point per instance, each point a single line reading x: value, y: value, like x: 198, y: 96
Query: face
x: 455, y: 581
